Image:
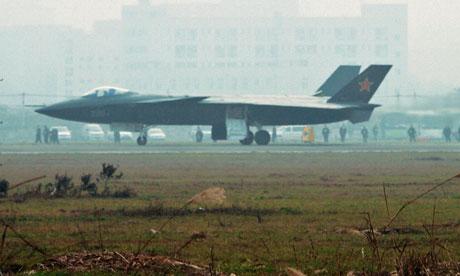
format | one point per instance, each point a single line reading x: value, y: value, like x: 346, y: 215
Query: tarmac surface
x: 223, y: 148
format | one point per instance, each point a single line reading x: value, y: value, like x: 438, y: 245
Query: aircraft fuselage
x: 127, y: 110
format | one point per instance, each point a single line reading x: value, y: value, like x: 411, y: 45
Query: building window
x: 381, y: 51
x: 345, y: 33
x: 304, y: 84
x: 346, y: 50
x: 259, y: 51
x: 380, y: 33
x: 274, y: 51
x: 220, y: 51
x: 245, y: 83
x: 233, y: 83
x: 352, y: 50
x: 220, y: 83
x: 210, y: 83
x: 180, y: 51
x: 192, y: 51
x: 232, y: 51
x: 69, y: 72
x: 300, y: 50
x: 192, y: 35
x: 311, y: 49
x: 300, y: 34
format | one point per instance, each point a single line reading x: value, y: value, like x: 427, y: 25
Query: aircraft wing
x: 273, y: 101
x: 175, y: 99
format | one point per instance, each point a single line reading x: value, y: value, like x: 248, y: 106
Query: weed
x: 4, y: 185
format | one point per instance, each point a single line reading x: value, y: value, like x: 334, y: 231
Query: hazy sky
x: 434, y: 26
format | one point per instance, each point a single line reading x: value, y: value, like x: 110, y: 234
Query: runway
x: 221, y: 148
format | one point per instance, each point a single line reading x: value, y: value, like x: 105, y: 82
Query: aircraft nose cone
x: 43, y: 110
x: 64, y: 110
x: 52, y: 110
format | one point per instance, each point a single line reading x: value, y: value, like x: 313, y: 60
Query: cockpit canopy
x: 107, y: 91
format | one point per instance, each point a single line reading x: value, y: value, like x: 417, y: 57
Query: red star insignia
x: 365, y: 85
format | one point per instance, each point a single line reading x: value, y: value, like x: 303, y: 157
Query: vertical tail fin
x: 341, y: 77
x: 363, y: 87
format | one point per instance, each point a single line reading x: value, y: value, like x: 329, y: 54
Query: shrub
x: 124, y: 193
x: 87, y: 185
x: 4, y: 185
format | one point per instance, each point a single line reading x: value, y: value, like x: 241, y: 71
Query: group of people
x: 50, y: 136
x: 411, y: 132
x: 343, y: 133
x: 446, y: 133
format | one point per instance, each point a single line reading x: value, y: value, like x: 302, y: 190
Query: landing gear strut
x: 248, y: 140
x: 142, y: 140
x: 262, y: 138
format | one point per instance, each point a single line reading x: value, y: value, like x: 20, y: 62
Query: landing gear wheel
x: 248, y: 140
x: 142, y: 140
x: 262, y: 138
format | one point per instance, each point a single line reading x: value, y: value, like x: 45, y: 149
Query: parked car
x: 290, y: 133
x: 124, y: 136
x: 156, y: 134
x: 93, y: 132
x: 64, y: 133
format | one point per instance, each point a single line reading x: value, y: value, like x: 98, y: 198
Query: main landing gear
x: 262, y: 138
x: 248, y: 140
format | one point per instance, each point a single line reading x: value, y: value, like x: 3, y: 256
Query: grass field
x: 282, y: 210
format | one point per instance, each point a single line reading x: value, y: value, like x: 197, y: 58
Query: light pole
x: 1, y: 122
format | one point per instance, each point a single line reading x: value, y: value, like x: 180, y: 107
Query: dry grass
x: 281, y: 210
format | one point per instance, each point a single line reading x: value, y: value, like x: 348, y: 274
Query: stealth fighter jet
x: 230, y: 116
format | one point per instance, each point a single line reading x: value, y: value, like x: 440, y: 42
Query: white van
x: 64, y: 133
x: 156, y: 134
x: 93, y: 132
x: 290, y: 133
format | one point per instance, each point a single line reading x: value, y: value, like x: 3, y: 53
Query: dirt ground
x: 281, y: 210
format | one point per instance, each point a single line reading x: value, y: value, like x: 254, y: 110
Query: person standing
x: 117, y: 136
x: 412, y: 134
x: 199, y: 135
x: 382, y: 131
x: 46, y: 134
x: 343, y: 133
x: 51, y: 136
x: 274, y: 135
x: 365, y: 134
x: 326, y: 131
x: 38, y: 135
x: 55, y: 136
x: 447, y: 134
x: 375, y: 132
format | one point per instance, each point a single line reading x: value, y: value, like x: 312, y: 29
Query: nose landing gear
x: 142, y: 140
